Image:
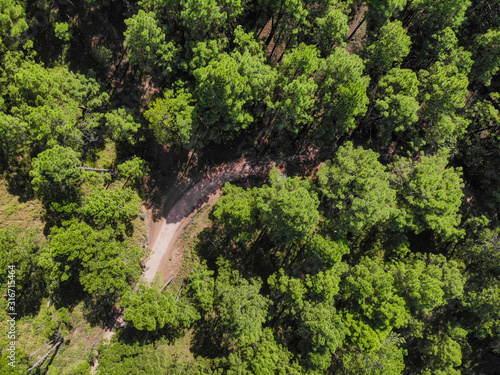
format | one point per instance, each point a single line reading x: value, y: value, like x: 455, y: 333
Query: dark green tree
x: 390, y: 47
x: 287, y: 209
x: 171, y: 117
x: 342, y: 92
x: 146, y: 43
x: 429, y: 194
x: 356, y: 188
x: 55, y: 174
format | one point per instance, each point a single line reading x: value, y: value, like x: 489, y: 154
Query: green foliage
x: 202, y: 17
x: 486, y: 56
x: 205, y: 51
x: 237, y: 211
x: 121, y: 125
x: 133, y: 170
x: 324, y: 252
x: 322, y: 332
x: 119, y: 358
x: 21, y: 249
x: 200, y: 287
x: 342, y: 92
x: 445, y: 49
x: 265, y: 357
x: 12, y: 24
x: 418, y: 292
x: 51, y: 106
x: 443, y: 352
x: 429, y: 194
x: 222, y: 93
x: 442, y: 93
x: 13, y: 139
x: 103, y: 266
x: 381, y: 10
x: 331, y: 30
x: 149, y: 309
x: 391, y: 46
x: 437, y: 15
x: 288, y: 209
x: 396, y: 102
x: 55, y: 173
x: 356, y: 188
x: 171, y: 118
x: 297, y: 101
x: 146, y: 42
x: 226, y: 90
x: 370, y: 291
x: 115, y: 208
x: 63, y: 31
x: 240, y: 306
x: 479, y: 150
x: 427, y: 281
x: 388, y: 359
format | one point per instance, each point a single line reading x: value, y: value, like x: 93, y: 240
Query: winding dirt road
x: 168, y: 229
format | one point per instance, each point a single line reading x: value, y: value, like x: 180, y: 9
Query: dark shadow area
x: 208, y: 339
x: 102, y: 312
x: 422, y: 242
x: 19, y: 183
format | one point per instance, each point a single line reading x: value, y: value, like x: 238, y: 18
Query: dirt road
x: 167, y: 230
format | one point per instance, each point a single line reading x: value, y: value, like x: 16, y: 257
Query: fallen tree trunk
x: 97, y: 169
x: 36, y: 351
x: 40, y: 361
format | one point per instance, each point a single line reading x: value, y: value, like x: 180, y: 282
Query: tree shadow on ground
x: 208, y: 339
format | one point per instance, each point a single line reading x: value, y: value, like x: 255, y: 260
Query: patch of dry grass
x: 15, y: 213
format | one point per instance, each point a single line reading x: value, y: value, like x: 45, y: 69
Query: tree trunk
x: 356, y: 29
x: 36, y: 351
x: 40, y: 361
x: 96, y: 169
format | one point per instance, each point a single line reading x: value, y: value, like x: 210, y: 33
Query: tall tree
x: 55, y: 174
x: 486, y: 56
x: 121, y: 125
x: 149, y: 309
x: 356, y: 188
x: 342, y: 93
x: 237, y: 211
x: 296, y: 103
x: 102, y: 265
x: 12, y: 24
x: 331, y: 30
x: 430, y: 194
x: 114, y: 207
x: 390, y: 47
x: 146, y: 42
x: 20, y: 251
x: 370, y: 292
x: 287, y: 209
x: 240, y: 306
x: 171, y: 117
x: 442, y: 93
x: 397, y: 104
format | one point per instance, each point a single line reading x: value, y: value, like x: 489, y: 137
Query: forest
x: 351, y: 145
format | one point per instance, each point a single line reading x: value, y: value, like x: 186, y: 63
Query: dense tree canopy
x: 371, y: 248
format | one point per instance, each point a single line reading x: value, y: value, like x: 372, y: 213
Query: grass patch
x: 13, y: 212
x: 188, y: 241
x: 104, y: 158
x: 81, y: 340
